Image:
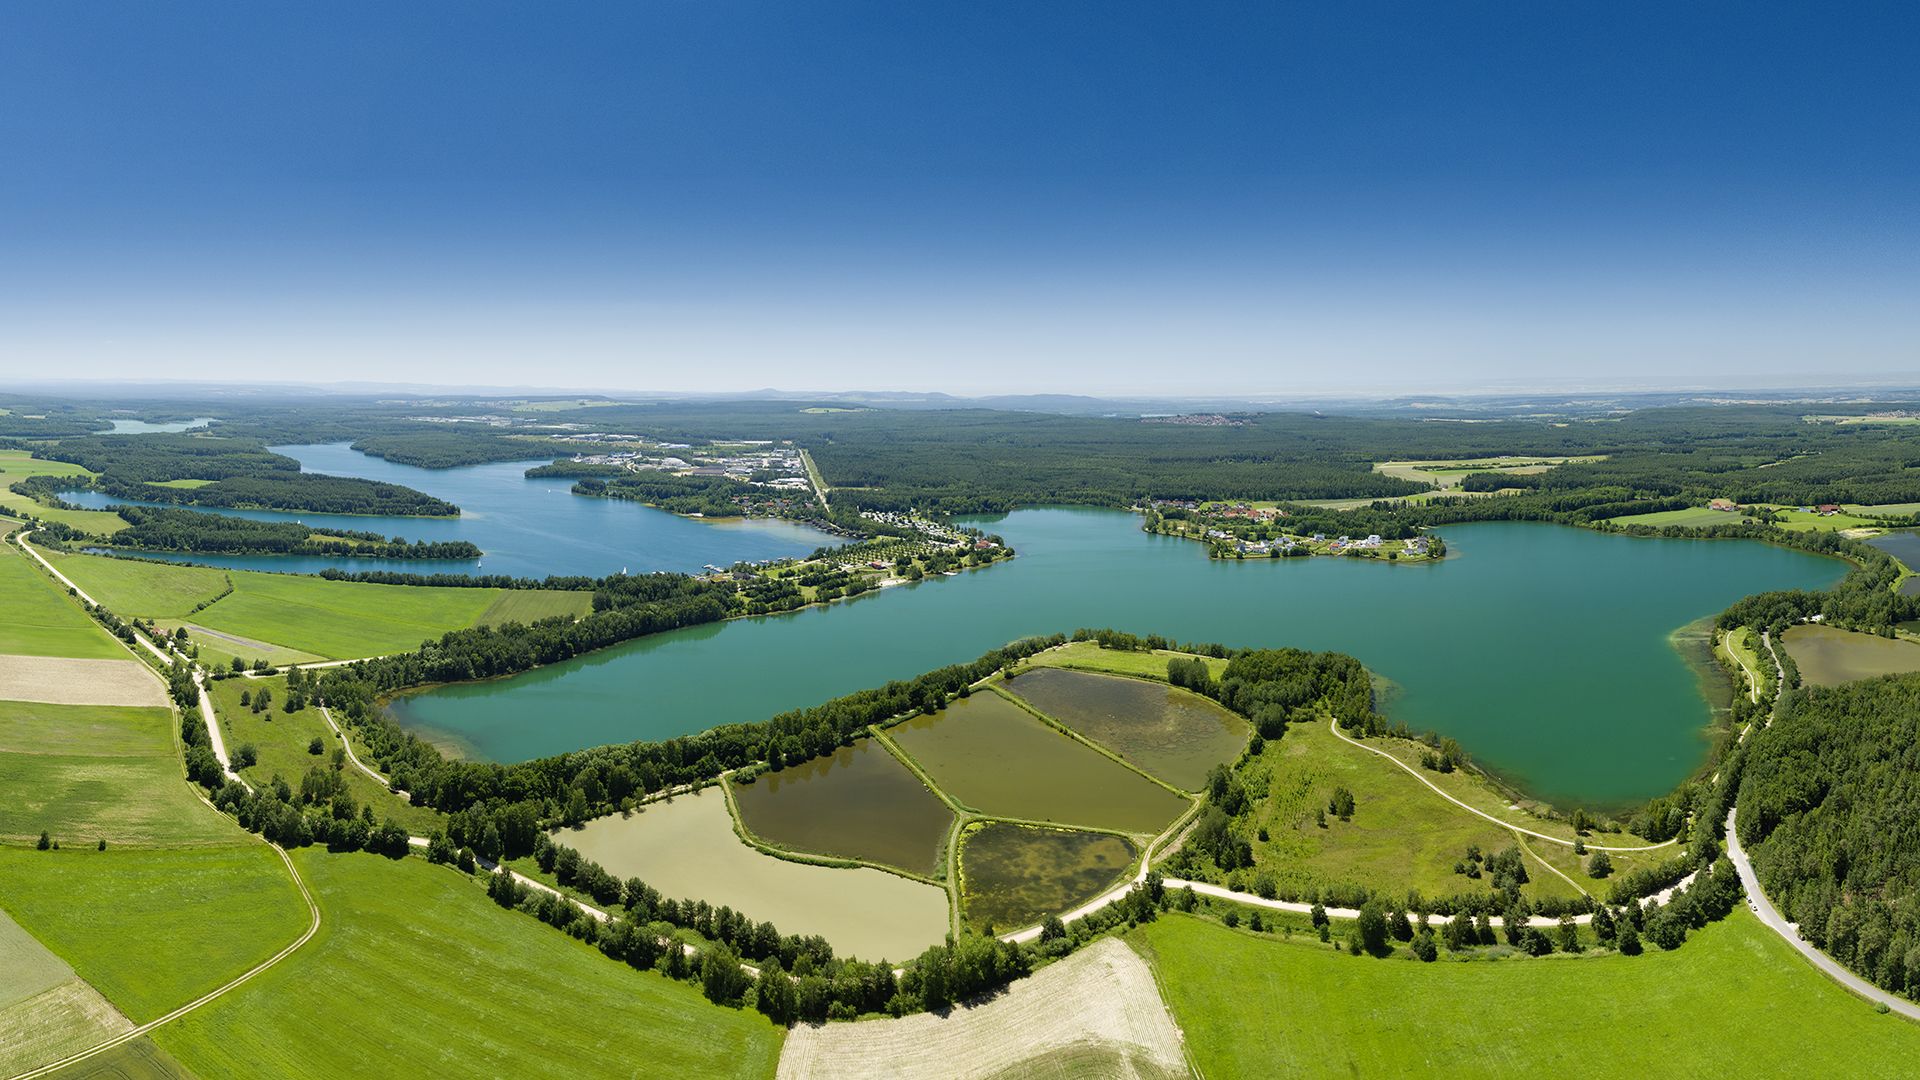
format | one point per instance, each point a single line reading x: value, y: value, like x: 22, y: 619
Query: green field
x: 1693, y: 517
x: 331, y: 619
x: 1829, y: 656
x: 1402, y: 834
x: 1734, y: 993
x: 1882, y: 509
x: 994, y: 757
x: 17, y: 465
x: 152, y: 930
x: 416, y: 973
x: 1795, y: 520
x: 531, y: 605
x: 1089, y: 656
x: 40, y: 619
x: 281, y: 739
x: 89, y: 772
x: 1017, y: 875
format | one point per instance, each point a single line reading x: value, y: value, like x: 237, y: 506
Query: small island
x: 1256, y: 530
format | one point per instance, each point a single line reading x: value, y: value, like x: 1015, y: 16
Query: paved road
x: 1768, y: 914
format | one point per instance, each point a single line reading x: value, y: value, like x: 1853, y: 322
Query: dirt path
x: 1099, y: 1009
x: 347, y: 744
x: 1411, y: 771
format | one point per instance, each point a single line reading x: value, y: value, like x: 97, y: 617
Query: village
x: 1243, y: 530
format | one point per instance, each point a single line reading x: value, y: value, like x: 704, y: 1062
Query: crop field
x: 46, y: 1012
x: 17, y: 465
x: 1089, y: 656
x: 282, y: 742
x: 464, y: 989
x: 1691, y: 517
x: 1448, y: 474
x: 41, y: 620
x: 686, y: 848
x: 1829, y: 656
x: 1174, y: 734
x: 532, y: 605
x: 1094, y: 1015
x: 1258, y: 1006
x: 86, y: 773
x: 1882, y: 509
x: 994, y: 757
x: 135, y: 1059
x: 152, y: 930
x: 1016, y: 875
x: 1401, y: 836
x: 859, y: 802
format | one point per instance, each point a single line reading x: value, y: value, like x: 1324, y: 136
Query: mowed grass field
x: 302, y: 614
x: 416, y: 973
x: 1691, y: 517
x: 37, y: 618
x: 281, y: 742
x: 86, y: 773
x: 1733, y: 998
x: 154, y: 929
x: 17, y: 465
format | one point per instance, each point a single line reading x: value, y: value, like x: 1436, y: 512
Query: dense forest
x: 169, y: 529
x: 1830, y: 813
x: 242, y: 474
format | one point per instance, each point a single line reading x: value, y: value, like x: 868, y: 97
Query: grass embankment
x: 17, y: 465
x: 154, y: 929
x: 251, y: 614
x: 40, y: 619
x: 417, y: 973
x: 86, y: 773
x: 1402, y: 834
x: 1257, y: 1006
x: 282, y: 744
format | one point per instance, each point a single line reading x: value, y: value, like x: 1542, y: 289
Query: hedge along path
x: 1411, y: 771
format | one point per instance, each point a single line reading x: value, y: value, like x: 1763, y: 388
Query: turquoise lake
x: 1548, y: 651
x: 527, y: 528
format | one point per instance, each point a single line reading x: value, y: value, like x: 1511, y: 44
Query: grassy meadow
x: 41, y: 620
x: 17, y: 465
x: 1693, y: 517
x: 282, y: 742
x: 1733, y: 997
x: 420, y: 974
x: 87, y: 773
x: 532, y: 605
x: 1402, y: 835
x: 1089, y: 656
x: 154, y: 929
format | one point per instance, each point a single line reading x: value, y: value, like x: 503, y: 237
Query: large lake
x: 527, y: 528
x: 1548, y: 651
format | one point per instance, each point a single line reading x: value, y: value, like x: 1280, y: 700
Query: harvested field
x: 61, y: 681
x: 1096, y: 1013
x: 46, y: 1012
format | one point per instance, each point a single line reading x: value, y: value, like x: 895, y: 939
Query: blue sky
x: 982, y: 197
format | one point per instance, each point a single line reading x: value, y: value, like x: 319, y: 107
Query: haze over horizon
x: 1081, y: 198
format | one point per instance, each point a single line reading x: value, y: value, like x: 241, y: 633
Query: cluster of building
x: 1195, y: 420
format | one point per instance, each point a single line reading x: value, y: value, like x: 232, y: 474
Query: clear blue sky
x: 1094, y: 197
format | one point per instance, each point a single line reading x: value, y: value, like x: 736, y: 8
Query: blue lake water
x: 527, y: 528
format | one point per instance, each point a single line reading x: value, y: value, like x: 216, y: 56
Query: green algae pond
x: 858, y: 802
x: 1829, y: 656
x: 1174, y: 734
x: 1017, y: 875
x: 686, y: 848
x: 993, y: 756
